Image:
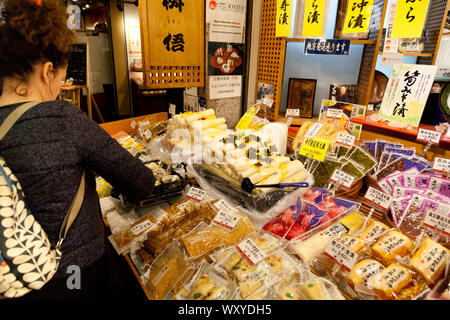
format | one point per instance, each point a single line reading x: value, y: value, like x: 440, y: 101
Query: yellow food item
x: 430, y: 260
x: 288, y: 293
x: 202, y: 288
x: 242, y: 270
x: 161, y: 279
x: 353, y: 243
x: 276, y: 263
x: 200, y: 242
x: 364, y: 270
x: 353, y: 221
x: 219, y: 293
x: 231, y: 262
x: 248, y: 287
x: 243, y: 228
x: 389, y: 282
x: 373, y: 231
x: 313, y: 290
x: 392, y: 244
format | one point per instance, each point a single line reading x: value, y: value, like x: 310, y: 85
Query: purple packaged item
x: 313, y: 216
x: 347, y: 203
x: 436, y: 196
x: 384, y: 185
x: 395, y: 180
x: 323, y: 193
x: 442, y: 186
x: 405, y: 151
x: 399, y: 191
x: 422, y: 181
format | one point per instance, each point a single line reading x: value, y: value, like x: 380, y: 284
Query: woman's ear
x: 47, y: 72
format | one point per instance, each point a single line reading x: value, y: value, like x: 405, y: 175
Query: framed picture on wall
x: 301, y: 96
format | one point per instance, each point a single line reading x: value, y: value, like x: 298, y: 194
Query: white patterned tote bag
x: 27, y: 260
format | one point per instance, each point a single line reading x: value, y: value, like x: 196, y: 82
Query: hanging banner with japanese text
x: 313, y: 18
x: 409, y: 18
x: 329, y: 46
x: 407, y: 92
x: 358, y: 16
x: 173, y: 42
x: 283, y: 19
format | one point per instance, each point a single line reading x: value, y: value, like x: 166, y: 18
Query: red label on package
x: 196, y: 194
x: 226, y: 220
x: 341, y: 254
x: 378, y: 198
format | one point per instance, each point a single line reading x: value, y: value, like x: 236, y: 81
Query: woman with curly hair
x: 54, y: 142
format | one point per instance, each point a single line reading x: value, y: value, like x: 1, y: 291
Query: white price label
x: 378, y: 198
x: 141, y: 132
x: 313, y: 130
x: 268, y: 102
x: 172, y: 108
x: 342, y: 179
x: 145, y: 158
x: 370, y: 107
x: 429, y: 136
x: 441, y: 165
x: 141, y: 227
x: 133, y: 124
x: 224, y: 206
x: 196, y: 194
x: 226, y: 220
x: 334, y: 113
x: 341, y: 254
x: 447, y: 134
x: 148, y: 134
x: 251, y: 251
x: 145, y: 123
x: 345, y: 139
x: 440, y: 219
x: 292, y: 112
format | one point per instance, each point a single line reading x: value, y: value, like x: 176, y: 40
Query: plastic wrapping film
x: 259, y: 207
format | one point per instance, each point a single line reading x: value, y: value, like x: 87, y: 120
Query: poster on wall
x: 134, y: 39
x: 226, y: 20
x: 225, y: 58
x: 225, y: 87
x: 343, y: 92
x: 407, y: 93
x: 265, y: 90
x: 283, y: 18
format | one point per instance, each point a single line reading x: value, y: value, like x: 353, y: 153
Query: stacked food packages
x: 321, y: 129
x: 183, y: 129
x: 147, y: 129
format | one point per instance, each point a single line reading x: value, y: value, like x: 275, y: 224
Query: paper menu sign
x: 390, y: 45
x: 358, y: 16
x: 409, y: 18
x: 345, y: 139
x: 429, y: 136
x: 313, y: 18
x: 251, y: 251
x: 224, y: 206
x: 342, y: 179
x: 341, y: 254
x: 378, y: 198
x: 196, y: 194
x: 441, y: 165
x: 314, y: 148
x: 407, y: 92
x: 283, y: 18
x: 292, y: 112
x: 440, y: 219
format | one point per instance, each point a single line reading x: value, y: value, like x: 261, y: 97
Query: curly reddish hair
x: 32, y: 32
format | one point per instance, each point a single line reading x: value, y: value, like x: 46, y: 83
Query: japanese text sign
x: 409, y: 18
x: 358, y: 16
x: 329, y: 46
x: 283, y: 19
x: 314, y: 148
x: 313, y: 18
x: 407, y: 92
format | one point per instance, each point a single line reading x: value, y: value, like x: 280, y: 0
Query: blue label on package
x: 328, y: 46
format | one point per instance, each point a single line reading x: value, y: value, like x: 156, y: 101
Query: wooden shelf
x: 354, y: 41
x: 413, y: 54
x: 384, y: 125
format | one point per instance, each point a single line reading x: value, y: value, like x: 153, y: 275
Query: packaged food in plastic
x: 145, y: 224
x: 314, y: 246
x: 392, y: 244
x: 165, y: 271
x: 200, y: 241
x: 373, y: 230
x: 430, y: 260
x: 206, y: 284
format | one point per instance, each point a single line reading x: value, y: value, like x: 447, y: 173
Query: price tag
x: 314, y: 148
x: 141, y: 131
x: 182, y: 206
x: 196, y: 194
x: 334, y: 113
x: 224, y: 206
x: 342, y: 179
x: 345, y: 139
x: 440, y: 219
x: 141, y: 227
x: 268, y: 102
x: 226, y: 220
x: 378, y: 198
x: 313, y: 130
x: 172, y: 108
x: 341, y: 254
x: 292, y: 112
x: 429, y: 136
x: 133, y: 124
x: 289, y: 121
x: 441, y: 165
x: 148, y: 134
x: 370, y: 107
x: 251, y: 251
x: 447, y: 134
